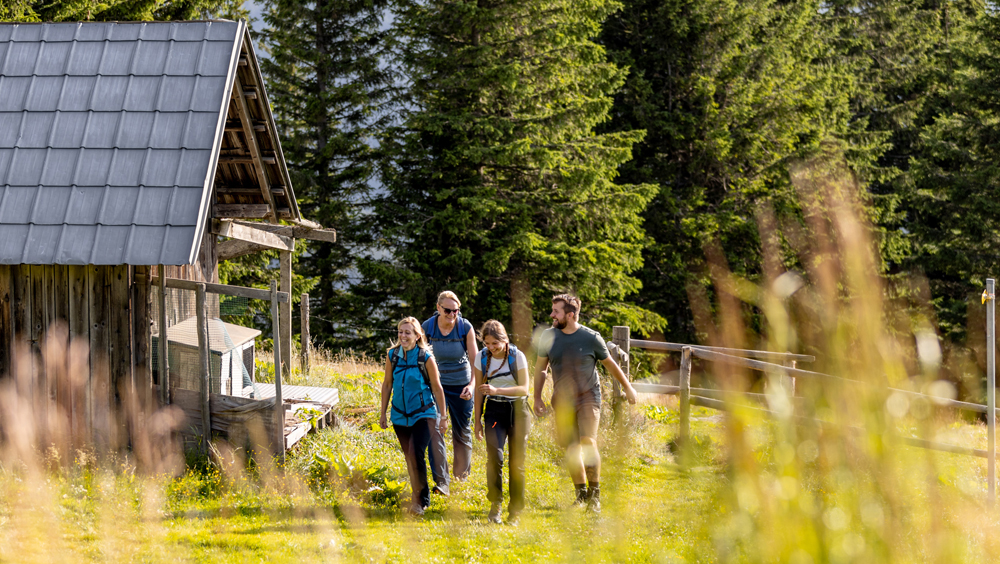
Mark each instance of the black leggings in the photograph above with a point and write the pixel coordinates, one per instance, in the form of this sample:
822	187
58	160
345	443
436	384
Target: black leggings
506	420
414	441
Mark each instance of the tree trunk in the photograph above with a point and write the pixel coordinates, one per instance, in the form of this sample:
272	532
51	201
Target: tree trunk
520	310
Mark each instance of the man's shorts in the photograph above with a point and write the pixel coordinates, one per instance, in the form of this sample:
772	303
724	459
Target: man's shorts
575	421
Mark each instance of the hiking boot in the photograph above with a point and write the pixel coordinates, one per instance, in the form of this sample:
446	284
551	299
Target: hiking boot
414	509
513	518
582	497
494	516
441	490
594	501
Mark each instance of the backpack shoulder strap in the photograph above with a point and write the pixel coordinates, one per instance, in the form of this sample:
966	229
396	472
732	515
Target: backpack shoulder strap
393	360
422	365
433	321
484	361
512	360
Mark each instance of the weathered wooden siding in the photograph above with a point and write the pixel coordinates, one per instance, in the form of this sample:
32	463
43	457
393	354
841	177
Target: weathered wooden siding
104	306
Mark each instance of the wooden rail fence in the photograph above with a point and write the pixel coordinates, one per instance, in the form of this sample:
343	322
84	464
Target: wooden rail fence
758	360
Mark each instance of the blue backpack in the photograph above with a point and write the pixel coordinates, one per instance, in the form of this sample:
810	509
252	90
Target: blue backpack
434	333
484	362
425	393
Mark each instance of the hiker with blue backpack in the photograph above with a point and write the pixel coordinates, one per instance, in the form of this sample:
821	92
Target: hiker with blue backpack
454	344
501	373
414	386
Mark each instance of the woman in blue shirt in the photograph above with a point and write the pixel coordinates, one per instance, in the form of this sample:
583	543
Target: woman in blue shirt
414	386
454	343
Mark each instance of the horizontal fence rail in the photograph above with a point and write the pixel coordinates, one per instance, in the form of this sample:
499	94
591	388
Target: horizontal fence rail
224	289
756	360
677	347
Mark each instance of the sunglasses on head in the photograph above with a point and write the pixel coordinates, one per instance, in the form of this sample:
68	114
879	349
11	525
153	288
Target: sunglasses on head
448	311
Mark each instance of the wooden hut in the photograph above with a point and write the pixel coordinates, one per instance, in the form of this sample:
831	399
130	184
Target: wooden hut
128	151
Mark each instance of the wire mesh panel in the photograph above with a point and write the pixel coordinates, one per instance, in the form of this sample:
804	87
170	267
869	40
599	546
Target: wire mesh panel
231	342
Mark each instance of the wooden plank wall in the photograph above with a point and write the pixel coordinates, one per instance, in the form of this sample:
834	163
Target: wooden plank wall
106	307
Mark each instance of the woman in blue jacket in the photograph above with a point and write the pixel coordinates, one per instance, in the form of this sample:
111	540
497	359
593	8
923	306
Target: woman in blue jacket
414	386
454	342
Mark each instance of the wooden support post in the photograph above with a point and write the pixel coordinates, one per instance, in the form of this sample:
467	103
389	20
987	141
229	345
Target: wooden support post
285	312
683	437
6	323
162	363
304	332
279	405
204	356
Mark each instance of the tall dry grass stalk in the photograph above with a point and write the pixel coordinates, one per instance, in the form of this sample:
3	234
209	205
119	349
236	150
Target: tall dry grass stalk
829	480
824	478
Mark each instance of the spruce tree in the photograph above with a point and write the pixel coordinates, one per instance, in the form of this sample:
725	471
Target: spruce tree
729	92
119	10
950	191
329	86
500	188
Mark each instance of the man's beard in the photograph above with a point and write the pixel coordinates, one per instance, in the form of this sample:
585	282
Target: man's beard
558	325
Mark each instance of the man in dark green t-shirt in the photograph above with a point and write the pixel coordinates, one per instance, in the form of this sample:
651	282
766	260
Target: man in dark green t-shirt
573	352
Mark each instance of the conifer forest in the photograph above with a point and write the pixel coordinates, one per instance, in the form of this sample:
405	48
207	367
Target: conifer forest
626	151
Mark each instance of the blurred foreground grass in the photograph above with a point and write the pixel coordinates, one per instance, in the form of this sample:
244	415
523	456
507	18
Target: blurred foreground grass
824	478
322	508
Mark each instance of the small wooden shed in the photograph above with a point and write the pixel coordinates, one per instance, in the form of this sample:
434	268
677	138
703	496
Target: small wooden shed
131	152
232	356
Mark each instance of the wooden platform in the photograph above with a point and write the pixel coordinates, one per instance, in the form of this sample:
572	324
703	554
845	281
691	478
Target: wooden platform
233	416
298	401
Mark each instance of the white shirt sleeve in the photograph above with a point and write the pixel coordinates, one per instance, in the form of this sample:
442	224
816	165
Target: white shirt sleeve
521	363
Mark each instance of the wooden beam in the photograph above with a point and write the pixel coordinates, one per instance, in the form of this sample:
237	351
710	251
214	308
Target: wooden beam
224	289
767	355
279	405
248	211
236	125
250	93
6	325
285	309
298	231
248	190
241	211
205	364
251	234
265	188
234	248
244	159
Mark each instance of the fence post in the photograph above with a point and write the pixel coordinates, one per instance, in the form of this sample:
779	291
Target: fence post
304	332
279	404
991	420
790	380
206	368
163	364
683	438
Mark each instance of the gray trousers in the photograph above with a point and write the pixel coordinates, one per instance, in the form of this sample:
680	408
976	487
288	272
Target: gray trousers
460	413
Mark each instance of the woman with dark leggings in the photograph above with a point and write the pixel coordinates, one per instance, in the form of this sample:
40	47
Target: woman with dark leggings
501	373
412	383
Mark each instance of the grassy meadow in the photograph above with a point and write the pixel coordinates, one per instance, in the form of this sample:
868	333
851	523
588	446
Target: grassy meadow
338	499
824	477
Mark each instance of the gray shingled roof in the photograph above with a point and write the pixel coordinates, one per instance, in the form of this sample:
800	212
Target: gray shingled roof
109	139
